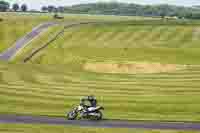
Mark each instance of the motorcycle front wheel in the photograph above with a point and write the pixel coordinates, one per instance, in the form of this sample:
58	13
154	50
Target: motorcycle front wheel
72	115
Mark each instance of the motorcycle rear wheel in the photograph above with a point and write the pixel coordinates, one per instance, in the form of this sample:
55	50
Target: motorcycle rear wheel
97	118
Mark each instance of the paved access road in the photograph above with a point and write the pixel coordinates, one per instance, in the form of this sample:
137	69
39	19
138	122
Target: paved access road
17	119
22	42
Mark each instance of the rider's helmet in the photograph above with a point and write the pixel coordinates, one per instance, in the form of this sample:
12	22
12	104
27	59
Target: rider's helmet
92	100
91	97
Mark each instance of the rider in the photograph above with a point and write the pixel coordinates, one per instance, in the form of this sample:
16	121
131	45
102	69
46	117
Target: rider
91	99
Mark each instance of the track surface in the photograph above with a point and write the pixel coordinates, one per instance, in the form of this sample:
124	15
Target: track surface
22	42
101	124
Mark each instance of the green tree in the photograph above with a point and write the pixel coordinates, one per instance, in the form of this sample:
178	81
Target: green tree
51	8
115	8
4	6
24	8
44	9
15	7
61	9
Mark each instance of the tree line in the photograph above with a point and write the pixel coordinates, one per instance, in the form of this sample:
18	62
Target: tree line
6	6
115	8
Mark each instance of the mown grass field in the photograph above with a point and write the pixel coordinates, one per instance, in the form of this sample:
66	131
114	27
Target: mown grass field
179	43
130	42
54	80
16	128
48	90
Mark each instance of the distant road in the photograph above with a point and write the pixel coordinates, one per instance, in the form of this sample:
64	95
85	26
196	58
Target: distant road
16	119
22	42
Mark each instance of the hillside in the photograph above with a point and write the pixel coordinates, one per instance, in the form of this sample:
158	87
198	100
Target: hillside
150	72
132	41
142	69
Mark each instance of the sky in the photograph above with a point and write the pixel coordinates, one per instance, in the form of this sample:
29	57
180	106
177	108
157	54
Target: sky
36	4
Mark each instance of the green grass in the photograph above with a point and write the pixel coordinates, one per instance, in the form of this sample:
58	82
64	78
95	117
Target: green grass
178	44
53	89
16	128
54	80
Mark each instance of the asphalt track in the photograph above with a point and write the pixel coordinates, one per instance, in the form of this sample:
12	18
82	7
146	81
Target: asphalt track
8	54
17	119
22	42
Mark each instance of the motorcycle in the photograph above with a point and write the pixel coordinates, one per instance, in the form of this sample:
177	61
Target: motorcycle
89	113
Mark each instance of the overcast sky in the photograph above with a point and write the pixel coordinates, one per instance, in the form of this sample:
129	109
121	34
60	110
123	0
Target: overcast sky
36	4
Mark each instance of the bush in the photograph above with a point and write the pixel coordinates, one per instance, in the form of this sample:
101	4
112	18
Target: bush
1	19
56	16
